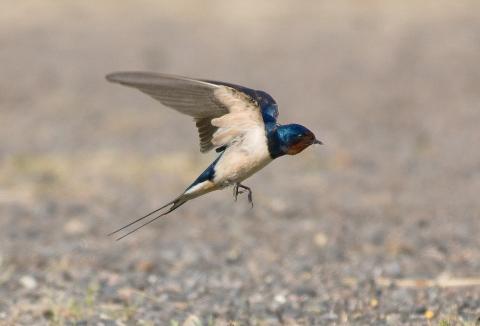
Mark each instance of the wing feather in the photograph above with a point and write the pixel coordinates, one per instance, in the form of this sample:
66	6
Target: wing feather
188	96
223	112
205	132
244	115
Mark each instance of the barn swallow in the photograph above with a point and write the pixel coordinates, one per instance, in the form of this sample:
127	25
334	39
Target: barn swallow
238	122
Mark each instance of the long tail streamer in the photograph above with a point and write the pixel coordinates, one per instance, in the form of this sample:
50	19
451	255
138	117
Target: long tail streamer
176	204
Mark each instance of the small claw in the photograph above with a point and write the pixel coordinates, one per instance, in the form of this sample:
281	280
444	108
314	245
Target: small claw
250	197
250	193
235	192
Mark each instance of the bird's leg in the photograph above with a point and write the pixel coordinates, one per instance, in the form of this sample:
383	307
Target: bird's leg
250	193
236	191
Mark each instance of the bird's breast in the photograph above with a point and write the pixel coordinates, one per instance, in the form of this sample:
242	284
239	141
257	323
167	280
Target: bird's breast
242	159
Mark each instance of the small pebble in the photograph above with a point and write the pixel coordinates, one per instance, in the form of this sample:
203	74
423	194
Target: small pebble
429	314
330	316
320	239
75	227
152	279
393	319
126	293
280	298
145	266
28	282
192	320
421	310
233	256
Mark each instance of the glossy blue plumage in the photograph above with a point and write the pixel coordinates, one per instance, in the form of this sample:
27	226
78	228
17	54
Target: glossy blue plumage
288	134
208	174
283	138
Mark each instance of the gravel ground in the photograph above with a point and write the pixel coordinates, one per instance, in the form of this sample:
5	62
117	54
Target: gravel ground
379	226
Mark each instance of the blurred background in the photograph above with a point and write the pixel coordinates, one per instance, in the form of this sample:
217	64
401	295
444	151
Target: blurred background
378	226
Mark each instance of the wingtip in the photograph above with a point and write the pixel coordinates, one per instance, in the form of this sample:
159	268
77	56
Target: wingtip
125	77
139	79
134	78
113	77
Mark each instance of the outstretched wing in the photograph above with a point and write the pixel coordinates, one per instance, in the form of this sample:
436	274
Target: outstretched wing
268	106
222	111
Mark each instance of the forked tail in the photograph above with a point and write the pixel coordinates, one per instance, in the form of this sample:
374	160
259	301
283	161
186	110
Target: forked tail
176	203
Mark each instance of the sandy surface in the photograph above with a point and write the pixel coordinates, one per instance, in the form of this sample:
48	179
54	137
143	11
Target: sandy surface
379	226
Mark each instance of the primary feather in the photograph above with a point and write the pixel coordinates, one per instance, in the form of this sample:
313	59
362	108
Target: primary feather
222	113
188	96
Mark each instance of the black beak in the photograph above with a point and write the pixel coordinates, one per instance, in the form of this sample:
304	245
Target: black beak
318	142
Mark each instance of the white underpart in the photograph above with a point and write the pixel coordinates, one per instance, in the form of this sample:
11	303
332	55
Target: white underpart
243	131
242	159
200	189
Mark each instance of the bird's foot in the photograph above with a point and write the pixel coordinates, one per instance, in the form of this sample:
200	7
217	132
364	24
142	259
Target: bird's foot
236	192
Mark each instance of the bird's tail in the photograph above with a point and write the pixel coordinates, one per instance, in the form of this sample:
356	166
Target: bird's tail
176	203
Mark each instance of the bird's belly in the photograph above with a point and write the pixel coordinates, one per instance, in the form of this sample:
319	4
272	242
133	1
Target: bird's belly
236	166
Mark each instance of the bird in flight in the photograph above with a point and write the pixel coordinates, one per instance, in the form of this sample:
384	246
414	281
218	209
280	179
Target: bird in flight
238	122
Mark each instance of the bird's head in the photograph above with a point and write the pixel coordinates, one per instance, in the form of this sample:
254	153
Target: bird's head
295	138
